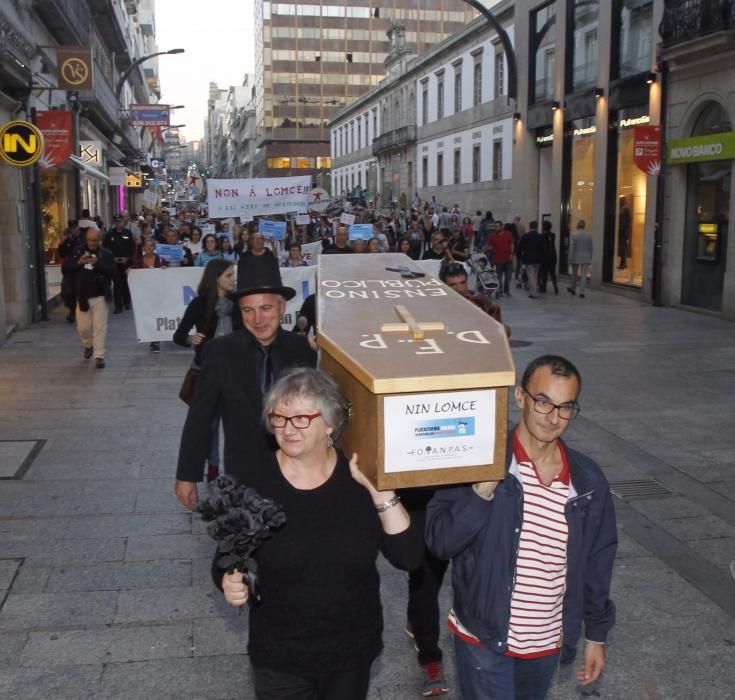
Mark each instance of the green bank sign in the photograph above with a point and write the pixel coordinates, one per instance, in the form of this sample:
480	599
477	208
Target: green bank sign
701	148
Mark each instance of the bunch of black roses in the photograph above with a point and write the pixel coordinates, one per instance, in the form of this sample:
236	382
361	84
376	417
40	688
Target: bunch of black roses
240	520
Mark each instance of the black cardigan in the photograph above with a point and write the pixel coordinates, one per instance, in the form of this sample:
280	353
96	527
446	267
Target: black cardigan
195	316
318	577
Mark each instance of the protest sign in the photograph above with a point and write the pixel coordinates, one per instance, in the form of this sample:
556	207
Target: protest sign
347	219
170	253
265	195
361	232
272	229
310	252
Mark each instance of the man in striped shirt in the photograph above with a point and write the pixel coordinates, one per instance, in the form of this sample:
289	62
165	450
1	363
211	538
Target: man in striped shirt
532	555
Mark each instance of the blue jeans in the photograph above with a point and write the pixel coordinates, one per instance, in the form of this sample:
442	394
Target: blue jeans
505	272
484	675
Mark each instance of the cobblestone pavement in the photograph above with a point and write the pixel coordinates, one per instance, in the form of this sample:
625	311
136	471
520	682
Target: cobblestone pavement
104	582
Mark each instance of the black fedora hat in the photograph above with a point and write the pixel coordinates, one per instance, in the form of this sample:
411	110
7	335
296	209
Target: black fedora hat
260	274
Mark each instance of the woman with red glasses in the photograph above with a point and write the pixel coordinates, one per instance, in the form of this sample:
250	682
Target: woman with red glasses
319	624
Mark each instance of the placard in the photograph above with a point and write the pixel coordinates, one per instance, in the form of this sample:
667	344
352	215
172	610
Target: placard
263	195
272	229
361	232
303	220
441	430
170	253
347	219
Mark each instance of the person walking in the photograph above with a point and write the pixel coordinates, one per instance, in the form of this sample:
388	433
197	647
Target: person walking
580	257
532	555
121	243
237	370
547	271
92	268
531	255
149	260
70	243
501	256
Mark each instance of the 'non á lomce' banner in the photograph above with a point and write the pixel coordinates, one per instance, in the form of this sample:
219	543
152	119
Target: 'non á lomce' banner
258	196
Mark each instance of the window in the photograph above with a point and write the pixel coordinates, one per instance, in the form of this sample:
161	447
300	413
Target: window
278	163
457	89
477	81
440	97
375	123
439	169
497	160
425	102
476	163
543	26
499	74
457	166
584	46
409	170
425	171
635	23
359	132
323	162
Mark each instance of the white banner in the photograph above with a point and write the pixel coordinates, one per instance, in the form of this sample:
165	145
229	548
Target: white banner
264	195
310	252
161	296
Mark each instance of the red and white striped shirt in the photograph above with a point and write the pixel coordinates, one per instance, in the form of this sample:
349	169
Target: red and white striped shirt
535	626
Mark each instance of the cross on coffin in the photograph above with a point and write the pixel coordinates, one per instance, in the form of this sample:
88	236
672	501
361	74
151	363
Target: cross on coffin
410	324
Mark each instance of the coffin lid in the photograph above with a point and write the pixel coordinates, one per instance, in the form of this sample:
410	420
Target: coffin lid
357	297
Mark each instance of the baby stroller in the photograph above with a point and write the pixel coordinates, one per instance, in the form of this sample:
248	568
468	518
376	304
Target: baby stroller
486	279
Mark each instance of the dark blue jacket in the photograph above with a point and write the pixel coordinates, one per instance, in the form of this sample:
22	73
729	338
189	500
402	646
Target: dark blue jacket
481	537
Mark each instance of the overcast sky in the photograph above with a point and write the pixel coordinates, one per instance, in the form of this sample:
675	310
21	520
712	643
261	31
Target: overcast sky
219	37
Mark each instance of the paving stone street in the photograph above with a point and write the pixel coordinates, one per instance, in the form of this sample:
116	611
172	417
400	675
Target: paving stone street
105	589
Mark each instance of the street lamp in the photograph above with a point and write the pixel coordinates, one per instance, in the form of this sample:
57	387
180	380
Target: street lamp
135	64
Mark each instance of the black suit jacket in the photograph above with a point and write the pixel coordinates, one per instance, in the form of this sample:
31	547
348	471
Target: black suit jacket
230	382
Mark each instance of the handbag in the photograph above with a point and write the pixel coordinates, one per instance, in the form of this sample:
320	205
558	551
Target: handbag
189	385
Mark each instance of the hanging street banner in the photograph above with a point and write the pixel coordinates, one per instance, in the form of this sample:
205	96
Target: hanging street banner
149	115
21	143
57	137
258	196
161	296
647	148
74	68
699	149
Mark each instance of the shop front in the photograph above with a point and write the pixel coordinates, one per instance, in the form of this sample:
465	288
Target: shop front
708	158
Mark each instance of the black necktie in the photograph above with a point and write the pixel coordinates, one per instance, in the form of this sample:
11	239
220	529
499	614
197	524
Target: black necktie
266	371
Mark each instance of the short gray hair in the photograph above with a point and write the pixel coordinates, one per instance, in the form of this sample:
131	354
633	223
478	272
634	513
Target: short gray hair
312	384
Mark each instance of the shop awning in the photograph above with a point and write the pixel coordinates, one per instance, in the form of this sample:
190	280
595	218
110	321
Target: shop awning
89	170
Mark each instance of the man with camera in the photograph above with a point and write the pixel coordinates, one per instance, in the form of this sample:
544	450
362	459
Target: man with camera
91	268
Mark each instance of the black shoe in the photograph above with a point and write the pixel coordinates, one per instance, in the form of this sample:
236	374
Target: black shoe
570	290
156	347
127	307
556	290
88	353
532	296
71	317
581	296
99	363
117	311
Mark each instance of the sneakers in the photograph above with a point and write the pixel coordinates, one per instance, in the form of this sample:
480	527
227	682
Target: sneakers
434	682
88	353
155	347
570	290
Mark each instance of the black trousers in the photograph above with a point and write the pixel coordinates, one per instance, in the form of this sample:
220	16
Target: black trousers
423	598
546	273
347	684
121	293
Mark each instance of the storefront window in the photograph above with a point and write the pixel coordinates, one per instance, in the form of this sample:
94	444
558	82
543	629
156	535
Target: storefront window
580	181
584	46
626	264
543	23
635	37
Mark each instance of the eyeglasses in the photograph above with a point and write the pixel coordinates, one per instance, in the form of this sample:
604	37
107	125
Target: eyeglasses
567	411
300	422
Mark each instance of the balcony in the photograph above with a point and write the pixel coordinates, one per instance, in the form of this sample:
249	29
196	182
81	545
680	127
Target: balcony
67	20
686	20
394	140
111	24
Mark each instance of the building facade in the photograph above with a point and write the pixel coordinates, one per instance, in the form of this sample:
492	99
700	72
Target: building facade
698	250
440	124
314	59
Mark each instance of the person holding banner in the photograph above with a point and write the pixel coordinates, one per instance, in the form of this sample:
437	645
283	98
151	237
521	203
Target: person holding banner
149	260
210	251
236	372
211	313
294	258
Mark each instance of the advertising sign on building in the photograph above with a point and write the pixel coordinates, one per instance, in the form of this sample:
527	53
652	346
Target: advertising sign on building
149	115
134	180
647	148
117	176
57	139
90	152
698	149
21	143
258	196
74	68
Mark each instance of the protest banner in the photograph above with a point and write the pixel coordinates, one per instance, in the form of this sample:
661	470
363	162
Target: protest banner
347	219
258	196
310	252
160	297
361	232
303	220
272	229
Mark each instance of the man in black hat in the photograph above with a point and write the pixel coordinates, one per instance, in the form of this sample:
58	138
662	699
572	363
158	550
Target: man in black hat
237	370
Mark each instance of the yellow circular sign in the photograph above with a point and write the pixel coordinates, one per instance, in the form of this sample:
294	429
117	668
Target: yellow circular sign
21	143
74	71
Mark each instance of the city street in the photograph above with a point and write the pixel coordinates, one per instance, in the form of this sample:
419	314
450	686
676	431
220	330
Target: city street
105	589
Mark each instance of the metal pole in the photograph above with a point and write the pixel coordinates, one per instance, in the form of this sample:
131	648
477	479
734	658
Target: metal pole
40	307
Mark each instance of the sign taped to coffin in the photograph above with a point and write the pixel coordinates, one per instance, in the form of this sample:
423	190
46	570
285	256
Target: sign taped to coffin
425	371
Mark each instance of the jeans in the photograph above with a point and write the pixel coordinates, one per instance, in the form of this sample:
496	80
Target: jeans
505	272
423	598
580	276
350	683
484	675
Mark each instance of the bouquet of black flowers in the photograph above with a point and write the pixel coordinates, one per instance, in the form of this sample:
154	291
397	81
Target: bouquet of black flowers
240	520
